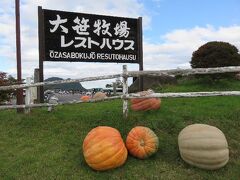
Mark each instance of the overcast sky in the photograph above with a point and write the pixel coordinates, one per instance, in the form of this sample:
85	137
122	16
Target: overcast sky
172	30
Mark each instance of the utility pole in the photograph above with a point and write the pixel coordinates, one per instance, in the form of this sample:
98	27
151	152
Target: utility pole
18	56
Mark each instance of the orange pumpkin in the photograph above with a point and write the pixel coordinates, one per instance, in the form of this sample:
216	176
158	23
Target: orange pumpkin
103	148
145	104
142	142
85	98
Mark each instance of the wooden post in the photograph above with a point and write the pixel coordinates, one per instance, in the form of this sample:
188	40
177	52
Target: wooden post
36	80
28	95
50	108
41	50
114	89
18	56
140	46
125	91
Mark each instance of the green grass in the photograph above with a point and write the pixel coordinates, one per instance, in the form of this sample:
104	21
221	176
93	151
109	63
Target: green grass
202	84
45	145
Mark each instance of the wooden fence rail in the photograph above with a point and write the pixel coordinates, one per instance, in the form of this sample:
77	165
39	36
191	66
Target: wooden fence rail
20	86
126	96
26	106
186	94
185	72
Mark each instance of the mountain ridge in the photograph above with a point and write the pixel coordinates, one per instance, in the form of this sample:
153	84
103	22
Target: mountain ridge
65	86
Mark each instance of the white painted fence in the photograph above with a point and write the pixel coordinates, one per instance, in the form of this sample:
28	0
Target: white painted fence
126	96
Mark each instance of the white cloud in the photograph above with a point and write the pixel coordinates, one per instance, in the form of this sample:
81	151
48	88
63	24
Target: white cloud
178	45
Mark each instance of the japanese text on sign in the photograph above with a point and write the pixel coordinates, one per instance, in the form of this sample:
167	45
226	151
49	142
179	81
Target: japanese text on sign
86	37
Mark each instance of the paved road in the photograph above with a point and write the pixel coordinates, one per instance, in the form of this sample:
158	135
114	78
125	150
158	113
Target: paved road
68	97
62	97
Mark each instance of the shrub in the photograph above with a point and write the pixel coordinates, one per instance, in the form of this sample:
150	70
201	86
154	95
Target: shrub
215	54
4	81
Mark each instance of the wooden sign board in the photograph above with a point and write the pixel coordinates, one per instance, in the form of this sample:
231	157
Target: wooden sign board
79	37
70	36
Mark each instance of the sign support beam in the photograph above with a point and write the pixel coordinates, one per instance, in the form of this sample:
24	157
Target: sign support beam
140	46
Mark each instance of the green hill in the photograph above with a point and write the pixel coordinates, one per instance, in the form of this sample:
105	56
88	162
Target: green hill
67	86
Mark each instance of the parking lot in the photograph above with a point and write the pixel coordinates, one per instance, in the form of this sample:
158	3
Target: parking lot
68	97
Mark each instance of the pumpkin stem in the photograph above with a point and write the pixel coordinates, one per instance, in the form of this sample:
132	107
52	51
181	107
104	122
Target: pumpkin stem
142	142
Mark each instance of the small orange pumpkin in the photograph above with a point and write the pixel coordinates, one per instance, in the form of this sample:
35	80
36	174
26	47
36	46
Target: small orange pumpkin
85	98
142	142
103	148
145	104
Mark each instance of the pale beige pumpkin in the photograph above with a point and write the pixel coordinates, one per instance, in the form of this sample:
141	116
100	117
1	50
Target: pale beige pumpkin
99	96
103	148
203	146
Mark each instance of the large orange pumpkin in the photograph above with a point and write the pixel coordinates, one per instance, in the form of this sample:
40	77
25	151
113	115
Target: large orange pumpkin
142	142
103	148
145	104
85	98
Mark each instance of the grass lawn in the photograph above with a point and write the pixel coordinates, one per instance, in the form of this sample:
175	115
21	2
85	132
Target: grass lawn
45	145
